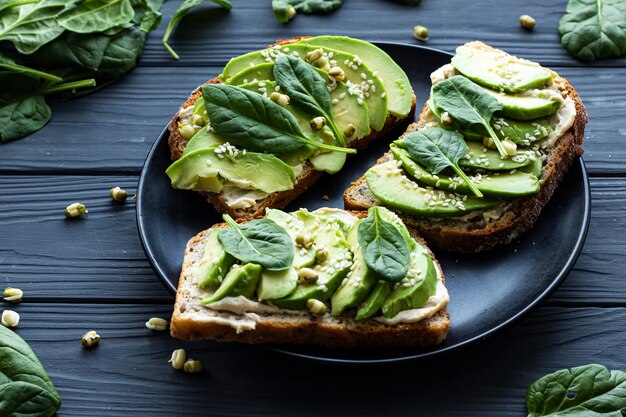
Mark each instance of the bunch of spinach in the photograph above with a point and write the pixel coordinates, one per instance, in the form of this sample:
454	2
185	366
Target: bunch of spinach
25	388
254	122
384	249
590	390
56	46
437	149
306	89
470	107
594	29
260	241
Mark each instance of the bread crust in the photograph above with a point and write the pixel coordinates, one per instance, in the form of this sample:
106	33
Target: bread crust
306	179
458	236
301	327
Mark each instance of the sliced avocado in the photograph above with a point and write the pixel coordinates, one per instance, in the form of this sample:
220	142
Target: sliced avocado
359	281
499	71
525	107
374	300
330	162
201	140
534	167
522	133
345	219
394	189
394	79
254	66
240	280
327	235
415	289
199	171
506	185
214	264
277	284
303	256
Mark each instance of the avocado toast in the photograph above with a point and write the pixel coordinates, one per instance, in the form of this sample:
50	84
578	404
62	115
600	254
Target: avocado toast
369	96
476	170
316	279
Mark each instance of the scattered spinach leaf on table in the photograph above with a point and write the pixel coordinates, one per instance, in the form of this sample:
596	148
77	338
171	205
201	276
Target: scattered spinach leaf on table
437	149
469	105
25	388
594	29
260	241
590	390
281	7
306	89
384	249
249	120
181	12
91	16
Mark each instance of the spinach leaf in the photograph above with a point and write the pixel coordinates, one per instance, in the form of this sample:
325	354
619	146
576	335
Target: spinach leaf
594	29
260	241
306	89
437	149
73	50
30	26
23	110
590	390
90	16
6	63
181	12
25	388
384	249
254	122
303	6
469	106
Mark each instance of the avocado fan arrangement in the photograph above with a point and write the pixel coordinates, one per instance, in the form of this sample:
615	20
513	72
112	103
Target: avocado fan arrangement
495	129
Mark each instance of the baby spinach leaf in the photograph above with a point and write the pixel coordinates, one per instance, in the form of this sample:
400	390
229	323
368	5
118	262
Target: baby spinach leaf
384	249
306	89
8	64
254	122
25	388
260	241
590	390
23	110
468	105
303	6
181	12
30	26
594	29
90	16
73	49
437	149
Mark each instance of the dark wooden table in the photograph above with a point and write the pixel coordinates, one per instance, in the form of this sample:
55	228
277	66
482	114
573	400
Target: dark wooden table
92	273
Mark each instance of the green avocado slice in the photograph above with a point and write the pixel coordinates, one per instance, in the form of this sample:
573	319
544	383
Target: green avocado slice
393	78
525	107
374	300
303	256
394	189
240	280
214	264
201	140
201	171
254	65
499	71
277	284
505	185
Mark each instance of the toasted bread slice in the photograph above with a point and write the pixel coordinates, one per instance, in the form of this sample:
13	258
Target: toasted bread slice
192	320
307	177
479	234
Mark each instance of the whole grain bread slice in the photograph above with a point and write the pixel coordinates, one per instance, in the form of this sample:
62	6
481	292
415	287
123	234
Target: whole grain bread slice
479	234
305	179
192	320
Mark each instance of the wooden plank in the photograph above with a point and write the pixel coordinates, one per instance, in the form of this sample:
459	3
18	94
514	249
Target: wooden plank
100	257
112	131
128	373
210	36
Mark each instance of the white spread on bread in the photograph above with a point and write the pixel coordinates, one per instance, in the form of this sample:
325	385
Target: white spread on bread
241	198
185	114
562	121
434	304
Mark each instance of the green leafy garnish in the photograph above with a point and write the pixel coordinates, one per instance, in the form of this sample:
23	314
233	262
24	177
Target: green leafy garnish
584	391
437	149
260	241
281	7
96	15
181	12
594	29
384	249
25	388
469	106
8	64
254	122
306	89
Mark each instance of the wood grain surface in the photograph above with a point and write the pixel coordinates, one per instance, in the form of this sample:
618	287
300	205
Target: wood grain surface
91	273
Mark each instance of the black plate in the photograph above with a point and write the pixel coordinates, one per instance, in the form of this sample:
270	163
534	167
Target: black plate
488	291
